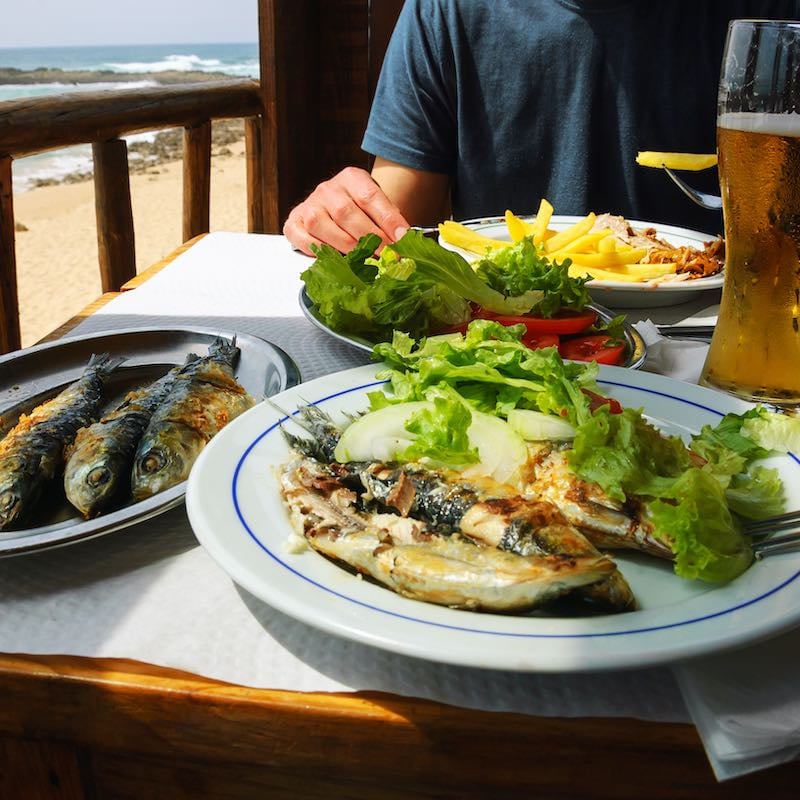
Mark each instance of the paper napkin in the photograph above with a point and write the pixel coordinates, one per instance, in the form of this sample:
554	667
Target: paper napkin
746	705
682	359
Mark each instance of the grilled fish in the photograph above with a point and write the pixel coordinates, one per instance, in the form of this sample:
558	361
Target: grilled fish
405	556
99	461
32	453
486	514
606	523
203	399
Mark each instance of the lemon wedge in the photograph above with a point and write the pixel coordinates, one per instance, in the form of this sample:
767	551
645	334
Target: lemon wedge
687	161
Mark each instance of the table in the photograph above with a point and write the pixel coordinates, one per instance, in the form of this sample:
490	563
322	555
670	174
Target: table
77	727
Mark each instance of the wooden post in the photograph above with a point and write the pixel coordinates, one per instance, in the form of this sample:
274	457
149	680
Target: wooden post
315	94
9	304
196	179
112	200
254	154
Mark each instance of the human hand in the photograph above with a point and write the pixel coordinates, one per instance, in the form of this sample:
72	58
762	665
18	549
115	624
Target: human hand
342	210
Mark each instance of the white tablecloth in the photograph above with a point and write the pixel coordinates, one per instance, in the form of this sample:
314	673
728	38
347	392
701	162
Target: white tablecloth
151	593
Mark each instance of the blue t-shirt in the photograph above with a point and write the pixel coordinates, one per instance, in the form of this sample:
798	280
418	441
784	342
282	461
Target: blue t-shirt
519	100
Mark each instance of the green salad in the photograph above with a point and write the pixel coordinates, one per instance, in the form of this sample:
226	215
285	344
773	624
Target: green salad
417	286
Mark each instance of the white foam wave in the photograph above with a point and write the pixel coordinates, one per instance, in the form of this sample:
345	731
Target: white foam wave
14	91
54	165
181	63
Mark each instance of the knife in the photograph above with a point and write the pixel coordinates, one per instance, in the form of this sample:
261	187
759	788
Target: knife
686	331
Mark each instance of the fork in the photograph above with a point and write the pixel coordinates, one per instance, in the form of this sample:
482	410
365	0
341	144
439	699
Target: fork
711	201
761	531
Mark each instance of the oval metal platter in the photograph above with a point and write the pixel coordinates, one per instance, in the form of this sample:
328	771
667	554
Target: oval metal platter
32	376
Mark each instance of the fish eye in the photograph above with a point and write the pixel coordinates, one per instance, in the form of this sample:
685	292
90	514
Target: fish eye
153	461
7	501
98	476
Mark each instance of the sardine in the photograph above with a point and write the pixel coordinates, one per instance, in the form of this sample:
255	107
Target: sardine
203	399
99	461
32	452
606	523
449	505
407	558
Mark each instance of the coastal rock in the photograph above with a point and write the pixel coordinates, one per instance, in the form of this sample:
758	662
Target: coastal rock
20	77
165	147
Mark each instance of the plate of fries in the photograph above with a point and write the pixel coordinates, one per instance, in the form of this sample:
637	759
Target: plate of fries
618	265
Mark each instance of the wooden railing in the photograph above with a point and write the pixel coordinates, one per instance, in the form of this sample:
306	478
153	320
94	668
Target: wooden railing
35	125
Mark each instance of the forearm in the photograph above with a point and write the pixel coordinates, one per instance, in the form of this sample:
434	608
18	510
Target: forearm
422	197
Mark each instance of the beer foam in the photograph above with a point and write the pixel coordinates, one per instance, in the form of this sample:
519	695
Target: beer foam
752	122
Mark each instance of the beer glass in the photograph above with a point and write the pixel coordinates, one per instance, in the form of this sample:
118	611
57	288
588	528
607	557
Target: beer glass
755	349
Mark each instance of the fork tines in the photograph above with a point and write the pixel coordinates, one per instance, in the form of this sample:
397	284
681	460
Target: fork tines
780	544
763	527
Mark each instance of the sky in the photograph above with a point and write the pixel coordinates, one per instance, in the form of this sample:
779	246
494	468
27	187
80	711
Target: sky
53	23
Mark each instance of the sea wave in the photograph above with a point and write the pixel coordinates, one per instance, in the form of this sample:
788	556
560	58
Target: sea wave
53	166
182	63
116	68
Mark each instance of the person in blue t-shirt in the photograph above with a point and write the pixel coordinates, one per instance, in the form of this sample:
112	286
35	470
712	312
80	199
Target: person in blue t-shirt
484	106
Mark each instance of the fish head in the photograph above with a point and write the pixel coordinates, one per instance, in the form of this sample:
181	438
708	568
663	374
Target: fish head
164	459
95	477
14	480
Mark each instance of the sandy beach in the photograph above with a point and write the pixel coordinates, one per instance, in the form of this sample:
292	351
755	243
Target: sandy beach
56	239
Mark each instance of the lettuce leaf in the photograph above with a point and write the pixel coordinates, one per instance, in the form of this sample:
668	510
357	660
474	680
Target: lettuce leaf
353	294
436	264
753	492
689	506
441	432
773	431
491	369
522	268
695	519
625	455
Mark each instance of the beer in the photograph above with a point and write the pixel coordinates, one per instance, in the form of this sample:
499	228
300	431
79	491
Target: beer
755	351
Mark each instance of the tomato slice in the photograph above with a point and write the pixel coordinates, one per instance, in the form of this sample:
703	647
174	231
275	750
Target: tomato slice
538	340
597	400
563	323
597	347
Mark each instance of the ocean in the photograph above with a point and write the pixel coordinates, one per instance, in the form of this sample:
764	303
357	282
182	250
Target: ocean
136	66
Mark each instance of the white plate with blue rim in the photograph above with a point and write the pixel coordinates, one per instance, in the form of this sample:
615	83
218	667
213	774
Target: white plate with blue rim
236	511
620	294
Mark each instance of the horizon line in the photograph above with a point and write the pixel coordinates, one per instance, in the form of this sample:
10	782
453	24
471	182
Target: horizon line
123	44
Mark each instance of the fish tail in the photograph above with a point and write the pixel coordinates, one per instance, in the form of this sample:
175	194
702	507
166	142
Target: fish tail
324	433
224	350
105	363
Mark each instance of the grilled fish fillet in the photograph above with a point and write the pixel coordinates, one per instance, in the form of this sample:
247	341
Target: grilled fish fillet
403	554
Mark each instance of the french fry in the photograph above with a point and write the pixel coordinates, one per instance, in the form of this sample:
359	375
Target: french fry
629	273
649	271
607	260
688	161
563	238
588	243
597	254
467	239
579	271
541	221
518	229
607	245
